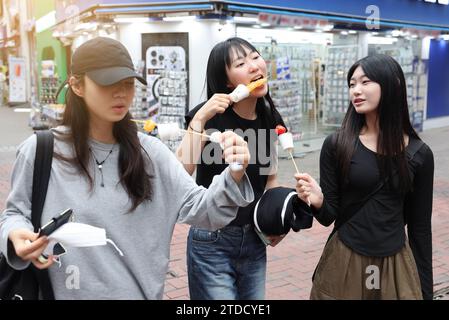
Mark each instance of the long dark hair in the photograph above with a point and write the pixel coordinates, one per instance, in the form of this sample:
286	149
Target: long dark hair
216	76
393	117
132	164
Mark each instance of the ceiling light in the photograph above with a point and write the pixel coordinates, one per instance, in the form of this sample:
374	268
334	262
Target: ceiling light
245	20
180	18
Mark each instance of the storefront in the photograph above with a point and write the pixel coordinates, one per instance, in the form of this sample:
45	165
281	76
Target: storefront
12	69
308	45
50	56
312	44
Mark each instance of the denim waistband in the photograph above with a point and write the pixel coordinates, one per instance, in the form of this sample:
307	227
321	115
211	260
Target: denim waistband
245	227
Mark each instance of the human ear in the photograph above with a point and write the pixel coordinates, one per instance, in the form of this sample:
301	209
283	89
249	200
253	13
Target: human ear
75	84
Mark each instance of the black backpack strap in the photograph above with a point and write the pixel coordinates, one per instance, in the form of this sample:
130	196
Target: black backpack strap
41	177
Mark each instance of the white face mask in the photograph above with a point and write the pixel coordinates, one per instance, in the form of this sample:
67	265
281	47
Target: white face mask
73	234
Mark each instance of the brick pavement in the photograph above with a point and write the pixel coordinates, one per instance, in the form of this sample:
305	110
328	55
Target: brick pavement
291	263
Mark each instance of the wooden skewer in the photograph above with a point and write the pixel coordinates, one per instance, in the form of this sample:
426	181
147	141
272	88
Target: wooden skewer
294	163
297	171
182	130
139	121
197	133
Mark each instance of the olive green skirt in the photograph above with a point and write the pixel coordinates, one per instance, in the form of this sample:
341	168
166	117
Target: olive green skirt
343	274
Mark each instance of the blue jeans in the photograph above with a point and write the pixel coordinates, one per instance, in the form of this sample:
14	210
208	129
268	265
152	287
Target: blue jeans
227	264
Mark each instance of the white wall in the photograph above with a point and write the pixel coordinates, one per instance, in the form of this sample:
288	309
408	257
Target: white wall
283	35
203	35
362	42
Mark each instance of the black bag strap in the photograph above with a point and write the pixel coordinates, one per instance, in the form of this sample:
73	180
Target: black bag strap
350	212
412	148
41	177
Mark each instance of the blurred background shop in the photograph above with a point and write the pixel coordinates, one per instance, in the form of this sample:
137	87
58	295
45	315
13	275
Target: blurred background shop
308	45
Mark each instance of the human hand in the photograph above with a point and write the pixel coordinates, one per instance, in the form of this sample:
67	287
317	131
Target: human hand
235	152
218	103
309	190
29	247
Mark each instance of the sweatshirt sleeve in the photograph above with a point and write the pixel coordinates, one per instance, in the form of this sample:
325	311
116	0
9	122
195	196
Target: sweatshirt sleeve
329	184
210	208
418	212
17	214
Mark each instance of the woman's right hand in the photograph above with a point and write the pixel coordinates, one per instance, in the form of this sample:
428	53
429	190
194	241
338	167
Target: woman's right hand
218	103
309	190
29	246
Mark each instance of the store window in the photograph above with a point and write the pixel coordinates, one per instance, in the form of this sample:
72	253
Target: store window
307	72
307	76
406	50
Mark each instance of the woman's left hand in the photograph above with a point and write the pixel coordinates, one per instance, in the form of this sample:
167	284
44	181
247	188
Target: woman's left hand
274	240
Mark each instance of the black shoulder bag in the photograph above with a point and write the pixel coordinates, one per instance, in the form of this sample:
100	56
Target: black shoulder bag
29	283
350	212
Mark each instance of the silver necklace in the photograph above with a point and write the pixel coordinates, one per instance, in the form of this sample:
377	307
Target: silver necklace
100	163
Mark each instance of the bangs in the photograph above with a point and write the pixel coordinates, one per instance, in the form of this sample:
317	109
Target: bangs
237	48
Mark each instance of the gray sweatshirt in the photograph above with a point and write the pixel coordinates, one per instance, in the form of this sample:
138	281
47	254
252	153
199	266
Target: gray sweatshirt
143	235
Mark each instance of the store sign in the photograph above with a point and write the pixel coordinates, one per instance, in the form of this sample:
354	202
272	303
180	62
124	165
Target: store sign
403	11
291	21
17	79
445	2
66	9
421	33
46	22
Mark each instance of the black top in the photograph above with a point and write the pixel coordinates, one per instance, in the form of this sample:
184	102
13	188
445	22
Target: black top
377	229
258	166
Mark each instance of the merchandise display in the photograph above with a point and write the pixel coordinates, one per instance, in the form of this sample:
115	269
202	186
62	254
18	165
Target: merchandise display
406	53
165	97
171	88
167	91
294	84
139	108
49	82
172	93
49	88
47	113
336	92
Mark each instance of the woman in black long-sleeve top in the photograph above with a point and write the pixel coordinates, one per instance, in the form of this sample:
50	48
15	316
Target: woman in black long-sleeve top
376	175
